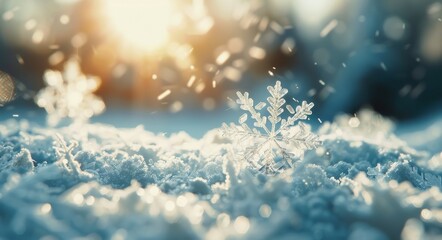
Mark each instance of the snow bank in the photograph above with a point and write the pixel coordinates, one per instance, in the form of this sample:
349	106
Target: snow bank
363	182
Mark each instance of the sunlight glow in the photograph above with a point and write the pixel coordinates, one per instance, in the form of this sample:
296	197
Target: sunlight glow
314	12
142	24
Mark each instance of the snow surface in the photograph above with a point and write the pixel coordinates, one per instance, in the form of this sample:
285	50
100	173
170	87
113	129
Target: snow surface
363	182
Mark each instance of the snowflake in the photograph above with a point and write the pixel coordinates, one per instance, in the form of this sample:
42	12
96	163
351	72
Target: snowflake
64	152
274	144
69	95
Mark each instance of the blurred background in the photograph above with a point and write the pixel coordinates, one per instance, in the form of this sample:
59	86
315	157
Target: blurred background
169	61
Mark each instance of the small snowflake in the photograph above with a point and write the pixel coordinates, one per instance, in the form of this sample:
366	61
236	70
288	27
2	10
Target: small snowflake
64	152
274	144
69	94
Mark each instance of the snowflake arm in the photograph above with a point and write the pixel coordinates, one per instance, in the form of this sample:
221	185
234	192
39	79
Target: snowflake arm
276	101
64	152
302	112
246	103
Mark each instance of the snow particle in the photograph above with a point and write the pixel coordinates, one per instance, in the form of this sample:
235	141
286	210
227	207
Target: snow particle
263	24
241	225
383	66
38	36
79	40
257	53
276	27
394	28
191	81
235	45
164	95
200	87
223	220
222	57
265	211
405	90
45	208
288	46
90	200
20	59
328	28
232	74
209	104
64	19
78	199
426	214
417	90
8	15
354	122
181	201
56	58
176	106
30	24
154	191
169	206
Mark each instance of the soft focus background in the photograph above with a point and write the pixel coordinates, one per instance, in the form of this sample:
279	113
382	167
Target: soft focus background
343	55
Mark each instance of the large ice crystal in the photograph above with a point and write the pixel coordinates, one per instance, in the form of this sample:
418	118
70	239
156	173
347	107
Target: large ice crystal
69	95
274	144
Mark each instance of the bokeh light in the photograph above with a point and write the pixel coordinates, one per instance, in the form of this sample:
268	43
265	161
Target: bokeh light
6	88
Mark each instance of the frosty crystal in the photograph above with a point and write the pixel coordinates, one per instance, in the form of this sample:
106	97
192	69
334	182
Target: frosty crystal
274	143
69	94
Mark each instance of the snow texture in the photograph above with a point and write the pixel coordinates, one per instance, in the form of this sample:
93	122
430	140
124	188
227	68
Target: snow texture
282	138
101	182
69	95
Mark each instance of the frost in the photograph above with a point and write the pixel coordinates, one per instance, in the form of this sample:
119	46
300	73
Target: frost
272	145
23	161
69	95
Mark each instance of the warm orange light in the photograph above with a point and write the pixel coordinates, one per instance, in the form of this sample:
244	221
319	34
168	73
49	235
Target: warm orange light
142	24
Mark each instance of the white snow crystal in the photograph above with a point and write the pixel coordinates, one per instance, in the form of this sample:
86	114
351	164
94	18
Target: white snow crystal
272	145
69	94
64	152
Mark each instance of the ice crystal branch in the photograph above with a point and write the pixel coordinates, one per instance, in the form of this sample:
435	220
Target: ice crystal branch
64	152
273	143
69	95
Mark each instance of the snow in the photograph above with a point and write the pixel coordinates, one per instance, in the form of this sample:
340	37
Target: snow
363	182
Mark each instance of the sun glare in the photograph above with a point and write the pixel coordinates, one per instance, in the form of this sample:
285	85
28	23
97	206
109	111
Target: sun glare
313	12
142	24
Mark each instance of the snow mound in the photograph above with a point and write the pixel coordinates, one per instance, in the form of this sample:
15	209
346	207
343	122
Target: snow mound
363	182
